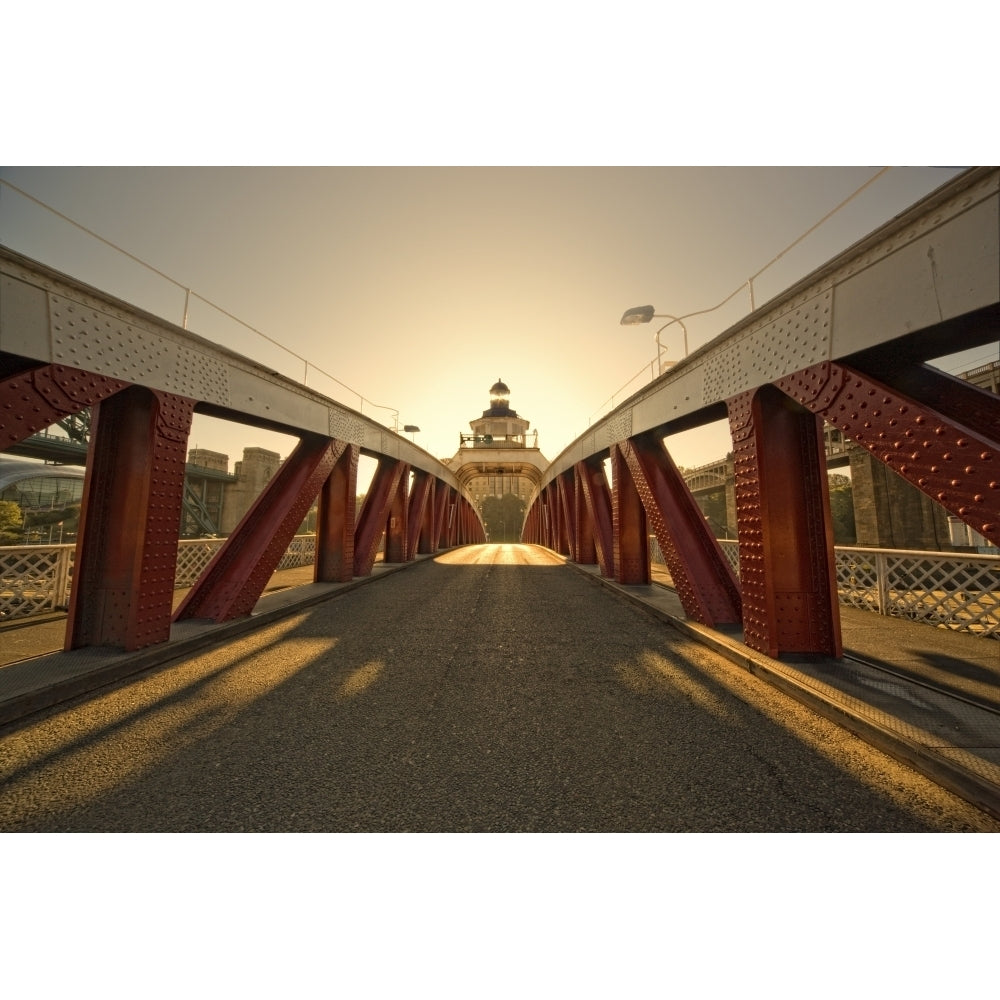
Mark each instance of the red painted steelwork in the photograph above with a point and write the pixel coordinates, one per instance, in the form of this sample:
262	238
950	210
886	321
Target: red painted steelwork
32	400
336	519
426	535
419	492
597	496
631	535
234	580
705	581
787	570
583	541
443	498
126	554
395	527
568	525
949	447
375	513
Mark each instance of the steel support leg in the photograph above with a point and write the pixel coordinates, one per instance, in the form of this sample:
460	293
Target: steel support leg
787	568
705	581
126	554
336	520
375	513
426	537
567	533
583	540
597	496
234	580
416	511
631	535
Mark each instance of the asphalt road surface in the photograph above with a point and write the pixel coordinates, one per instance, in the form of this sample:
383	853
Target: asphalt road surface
489	689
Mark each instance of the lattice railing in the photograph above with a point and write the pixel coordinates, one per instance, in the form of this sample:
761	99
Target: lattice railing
950	590
35	579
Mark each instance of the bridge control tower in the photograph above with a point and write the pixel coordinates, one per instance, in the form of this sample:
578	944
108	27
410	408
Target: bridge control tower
499	457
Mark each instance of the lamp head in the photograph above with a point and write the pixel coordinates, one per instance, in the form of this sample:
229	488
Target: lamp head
640	314
411	428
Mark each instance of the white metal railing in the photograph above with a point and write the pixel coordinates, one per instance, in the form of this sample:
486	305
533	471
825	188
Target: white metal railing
35	579
950	590
947	589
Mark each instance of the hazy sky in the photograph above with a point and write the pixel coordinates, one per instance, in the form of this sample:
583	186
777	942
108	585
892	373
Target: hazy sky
419	287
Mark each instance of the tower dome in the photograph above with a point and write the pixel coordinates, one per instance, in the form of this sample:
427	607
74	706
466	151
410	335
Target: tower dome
499	400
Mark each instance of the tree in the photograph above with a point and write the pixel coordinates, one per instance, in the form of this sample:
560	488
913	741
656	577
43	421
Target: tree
11	521
842	509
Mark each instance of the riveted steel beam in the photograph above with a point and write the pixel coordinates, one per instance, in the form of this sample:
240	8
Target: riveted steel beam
426	536
375	513
336	518
631	535
955	465
236	577
567	523
419	494
597	497
705	582
396	523
32	400
126	555
585	546
787	570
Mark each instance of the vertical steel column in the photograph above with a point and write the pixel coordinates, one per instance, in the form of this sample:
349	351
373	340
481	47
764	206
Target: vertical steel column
787	569
567	534
234	580
443	501
584	546
375	513
594	486
705	582
631	536
419	492
335	523
126	554
395	528
427	537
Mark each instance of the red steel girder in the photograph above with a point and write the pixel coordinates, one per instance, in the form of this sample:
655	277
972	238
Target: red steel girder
236	577
375	513
32	400
631	535
336	518
396	523
597	496
443	500
427	536
705	581
419	494
568	525
126	553
787	569
583	534
949	448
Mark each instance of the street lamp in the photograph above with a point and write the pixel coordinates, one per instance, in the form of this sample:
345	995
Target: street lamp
412	430
643	314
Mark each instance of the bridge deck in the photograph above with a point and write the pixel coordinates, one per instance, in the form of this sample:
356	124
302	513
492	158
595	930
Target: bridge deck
470	693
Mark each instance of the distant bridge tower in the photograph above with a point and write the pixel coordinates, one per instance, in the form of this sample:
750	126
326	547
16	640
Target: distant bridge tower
500	456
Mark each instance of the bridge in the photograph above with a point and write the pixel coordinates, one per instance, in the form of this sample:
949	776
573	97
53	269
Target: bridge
848	347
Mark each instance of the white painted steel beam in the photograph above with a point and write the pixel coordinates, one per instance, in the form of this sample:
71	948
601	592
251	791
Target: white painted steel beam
938	261
51	318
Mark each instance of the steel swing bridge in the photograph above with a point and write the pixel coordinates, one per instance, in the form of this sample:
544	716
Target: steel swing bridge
848	346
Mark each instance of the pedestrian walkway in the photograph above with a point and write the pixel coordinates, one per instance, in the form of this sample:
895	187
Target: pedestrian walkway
927	696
